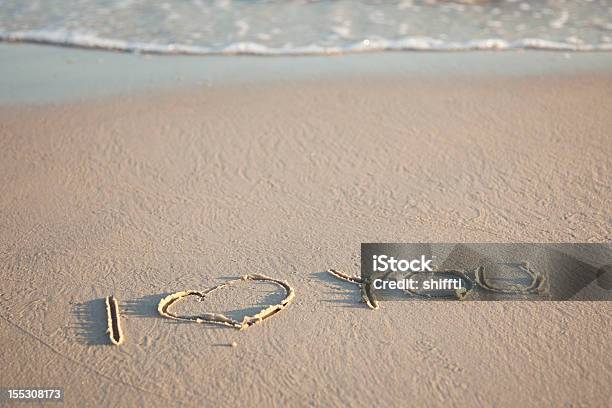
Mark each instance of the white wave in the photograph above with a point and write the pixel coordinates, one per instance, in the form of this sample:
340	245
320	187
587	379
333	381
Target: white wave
75	39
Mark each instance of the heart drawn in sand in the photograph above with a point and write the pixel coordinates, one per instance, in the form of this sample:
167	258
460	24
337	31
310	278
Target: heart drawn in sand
217	318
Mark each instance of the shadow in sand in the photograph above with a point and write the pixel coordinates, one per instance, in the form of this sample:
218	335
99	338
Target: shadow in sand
224	345
145	306
91	322
270	296
350	291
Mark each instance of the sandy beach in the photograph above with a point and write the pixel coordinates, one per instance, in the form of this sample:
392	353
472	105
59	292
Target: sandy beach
148	182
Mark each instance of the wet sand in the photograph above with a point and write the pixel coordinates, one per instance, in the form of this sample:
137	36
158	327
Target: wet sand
143	193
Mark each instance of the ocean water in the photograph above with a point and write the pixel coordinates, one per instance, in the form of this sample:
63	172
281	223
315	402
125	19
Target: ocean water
298	27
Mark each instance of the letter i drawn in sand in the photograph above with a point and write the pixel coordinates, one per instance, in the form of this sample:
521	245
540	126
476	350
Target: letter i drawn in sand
114	323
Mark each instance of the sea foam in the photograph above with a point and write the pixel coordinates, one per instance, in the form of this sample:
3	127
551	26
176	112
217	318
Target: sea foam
309	28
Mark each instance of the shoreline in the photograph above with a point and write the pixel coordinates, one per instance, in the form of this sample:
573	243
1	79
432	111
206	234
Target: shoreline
407	44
